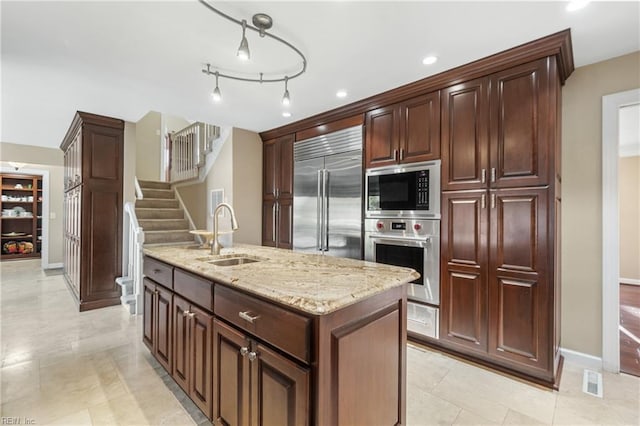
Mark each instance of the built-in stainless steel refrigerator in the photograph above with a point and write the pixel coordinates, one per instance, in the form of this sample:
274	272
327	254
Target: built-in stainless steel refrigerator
327	194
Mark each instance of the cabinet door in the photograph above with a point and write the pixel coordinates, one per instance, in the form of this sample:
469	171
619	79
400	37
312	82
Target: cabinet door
181	346
164	332
269	217
465	135
519	293
230	376
285	166
420	130
149	314
382	136
279	390
270	168
285	223
463	316
200	383
522	125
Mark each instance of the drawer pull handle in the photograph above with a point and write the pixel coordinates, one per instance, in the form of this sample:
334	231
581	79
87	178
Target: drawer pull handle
156	271
246	315
244	350
252	356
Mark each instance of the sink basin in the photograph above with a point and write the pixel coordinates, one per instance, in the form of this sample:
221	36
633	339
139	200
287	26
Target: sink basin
230	260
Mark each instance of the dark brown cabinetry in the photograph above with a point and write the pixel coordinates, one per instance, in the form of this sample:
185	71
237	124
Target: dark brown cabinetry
267	387
403	133
93	170
21	219
158	322
192	334
499	238
277	217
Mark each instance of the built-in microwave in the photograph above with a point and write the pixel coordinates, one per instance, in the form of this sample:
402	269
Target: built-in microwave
408	191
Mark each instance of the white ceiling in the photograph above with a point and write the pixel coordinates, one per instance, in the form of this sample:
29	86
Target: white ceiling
125	58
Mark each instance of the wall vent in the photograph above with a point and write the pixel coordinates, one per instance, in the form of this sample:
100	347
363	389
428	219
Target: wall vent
592	383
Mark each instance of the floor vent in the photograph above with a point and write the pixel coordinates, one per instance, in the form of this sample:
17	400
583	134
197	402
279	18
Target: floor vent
592	383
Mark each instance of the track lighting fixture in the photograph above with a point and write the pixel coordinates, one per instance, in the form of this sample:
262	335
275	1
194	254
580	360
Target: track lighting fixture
243	50
217	96
261	23
286	100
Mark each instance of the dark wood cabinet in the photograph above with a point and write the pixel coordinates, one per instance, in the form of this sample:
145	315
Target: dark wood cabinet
266	388
277	203
158	321
464	268
465	135
406	132
500	239
94	149
21	219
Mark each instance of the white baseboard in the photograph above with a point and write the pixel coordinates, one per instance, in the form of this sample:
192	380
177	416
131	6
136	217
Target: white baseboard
55	265
582	359
629	281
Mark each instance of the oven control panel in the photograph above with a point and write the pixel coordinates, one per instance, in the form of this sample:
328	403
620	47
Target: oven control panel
402	227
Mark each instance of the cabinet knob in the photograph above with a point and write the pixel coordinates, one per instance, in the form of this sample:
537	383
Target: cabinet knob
252	356
192	314
244	350
185	313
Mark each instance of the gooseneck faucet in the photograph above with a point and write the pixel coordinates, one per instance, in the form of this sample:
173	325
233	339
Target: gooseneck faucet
215	246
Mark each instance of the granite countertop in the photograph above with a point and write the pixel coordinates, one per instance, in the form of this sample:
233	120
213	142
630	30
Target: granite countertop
313	283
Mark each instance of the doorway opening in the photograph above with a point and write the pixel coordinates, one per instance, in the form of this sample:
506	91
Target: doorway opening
613	119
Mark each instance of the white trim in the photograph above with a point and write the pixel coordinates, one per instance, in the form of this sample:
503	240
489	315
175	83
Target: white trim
610	226
139	194
629	281
582	359
192	225
55	265
46	194
630	150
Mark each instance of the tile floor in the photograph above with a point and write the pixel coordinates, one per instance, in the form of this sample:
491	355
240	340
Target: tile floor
62	367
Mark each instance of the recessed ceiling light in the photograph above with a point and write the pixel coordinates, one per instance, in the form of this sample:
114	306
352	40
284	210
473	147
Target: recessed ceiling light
341	93
286	114
430	60
577	5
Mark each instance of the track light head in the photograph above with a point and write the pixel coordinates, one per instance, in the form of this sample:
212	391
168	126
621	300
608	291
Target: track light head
243	50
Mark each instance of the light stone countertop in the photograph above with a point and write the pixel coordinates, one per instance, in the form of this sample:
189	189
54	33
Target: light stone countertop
313	283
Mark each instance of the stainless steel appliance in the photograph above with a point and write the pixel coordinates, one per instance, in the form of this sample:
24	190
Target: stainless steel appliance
411	190
327	194
402	228
413	243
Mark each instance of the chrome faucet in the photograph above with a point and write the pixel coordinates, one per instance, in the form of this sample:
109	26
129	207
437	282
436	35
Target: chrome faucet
215	245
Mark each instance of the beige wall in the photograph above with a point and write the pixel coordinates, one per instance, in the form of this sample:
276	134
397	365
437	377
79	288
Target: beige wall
629	202
51	160
148	146
237	170
247	185
582	196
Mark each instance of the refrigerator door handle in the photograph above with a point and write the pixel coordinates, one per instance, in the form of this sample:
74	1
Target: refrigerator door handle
325	196
319	210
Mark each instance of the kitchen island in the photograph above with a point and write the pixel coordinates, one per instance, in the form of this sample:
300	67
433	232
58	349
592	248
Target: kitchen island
258	335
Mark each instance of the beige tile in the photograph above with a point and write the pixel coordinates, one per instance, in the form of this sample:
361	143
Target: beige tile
19	380
422	373
468	418
79	418
594	410
426	409
517	418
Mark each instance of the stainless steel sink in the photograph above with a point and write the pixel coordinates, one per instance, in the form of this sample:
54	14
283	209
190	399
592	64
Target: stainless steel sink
230	260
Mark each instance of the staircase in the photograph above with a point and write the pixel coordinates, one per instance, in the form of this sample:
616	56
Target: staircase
160	215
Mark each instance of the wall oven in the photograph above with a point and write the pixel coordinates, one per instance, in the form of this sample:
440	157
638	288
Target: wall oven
413	243
407	191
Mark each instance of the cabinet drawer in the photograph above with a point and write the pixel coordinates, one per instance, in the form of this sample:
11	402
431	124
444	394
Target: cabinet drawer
193	288
283	329
158	271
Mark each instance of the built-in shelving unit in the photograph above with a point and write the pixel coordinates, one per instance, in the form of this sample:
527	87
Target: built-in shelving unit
20	216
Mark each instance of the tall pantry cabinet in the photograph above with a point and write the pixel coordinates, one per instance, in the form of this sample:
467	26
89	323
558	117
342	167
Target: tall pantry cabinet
500	201
93	178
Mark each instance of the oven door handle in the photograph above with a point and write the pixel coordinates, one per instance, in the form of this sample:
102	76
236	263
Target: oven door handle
394	239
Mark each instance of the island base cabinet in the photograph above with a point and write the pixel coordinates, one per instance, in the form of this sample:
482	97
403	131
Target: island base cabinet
192	352
157	336
254	385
